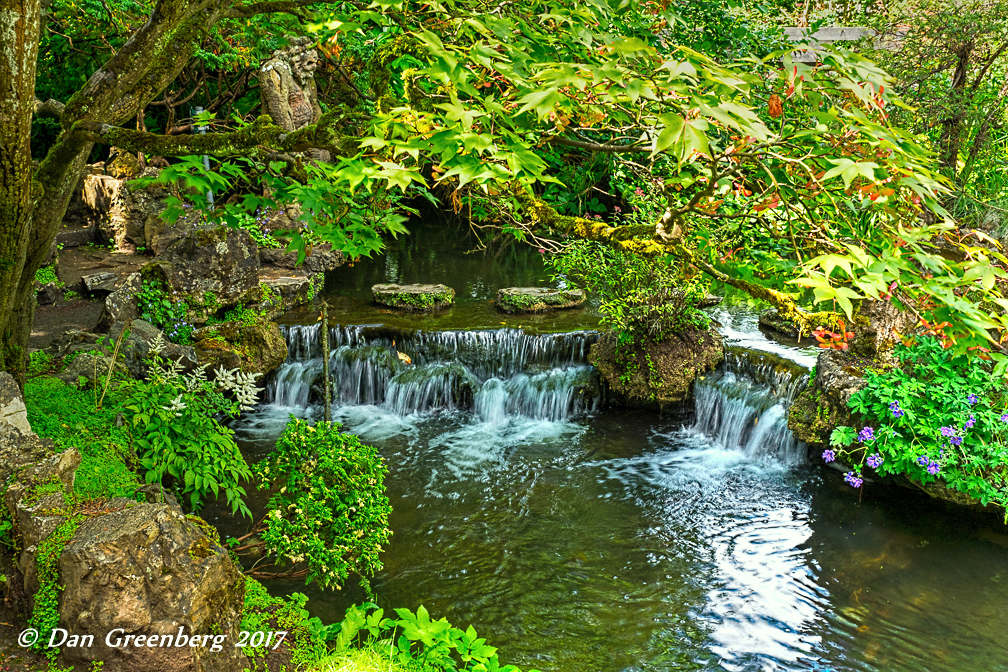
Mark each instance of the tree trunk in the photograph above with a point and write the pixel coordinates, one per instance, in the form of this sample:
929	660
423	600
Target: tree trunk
147	63
952	125
19	27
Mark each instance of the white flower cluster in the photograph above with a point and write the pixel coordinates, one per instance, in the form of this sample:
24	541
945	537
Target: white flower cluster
242	384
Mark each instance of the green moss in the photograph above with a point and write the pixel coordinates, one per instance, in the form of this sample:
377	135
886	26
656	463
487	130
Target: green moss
45	614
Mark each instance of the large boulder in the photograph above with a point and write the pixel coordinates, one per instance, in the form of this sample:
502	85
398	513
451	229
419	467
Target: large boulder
93	369
149	571
822	406
19	445
161	235
121	212
279	292
654	375
258	347
537	299
413	297
12	407
209	269
127	568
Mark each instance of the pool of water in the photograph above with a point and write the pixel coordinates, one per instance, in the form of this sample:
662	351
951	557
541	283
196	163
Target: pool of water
577	537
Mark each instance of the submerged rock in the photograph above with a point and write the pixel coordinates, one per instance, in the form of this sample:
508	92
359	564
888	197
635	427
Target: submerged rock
254	348
413	297
537	299
653	375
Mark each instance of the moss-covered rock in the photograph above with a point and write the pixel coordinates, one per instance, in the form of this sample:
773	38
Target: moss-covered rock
279	292
537	299
772	319
653	375
413	297
258	347
822	406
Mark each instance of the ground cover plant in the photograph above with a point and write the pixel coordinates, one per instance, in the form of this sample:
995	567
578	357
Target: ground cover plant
936	417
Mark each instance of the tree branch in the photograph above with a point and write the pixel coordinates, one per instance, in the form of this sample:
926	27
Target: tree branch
51	109
262	139
269	7
596	147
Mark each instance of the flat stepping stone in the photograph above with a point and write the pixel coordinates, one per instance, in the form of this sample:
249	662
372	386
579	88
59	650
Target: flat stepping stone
538	299
100	282
413	297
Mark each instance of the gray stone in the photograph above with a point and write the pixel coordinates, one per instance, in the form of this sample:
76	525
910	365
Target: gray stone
72	340
413	297
136	346
94	368
12	407
320	260
538	299
120	305
70	237
278	294
223	262
149	570
772	319
49	293
253	348
161	235
709	301
121	212
103	283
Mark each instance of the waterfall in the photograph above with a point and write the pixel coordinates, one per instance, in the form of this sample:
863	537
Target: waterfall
493	374
743	406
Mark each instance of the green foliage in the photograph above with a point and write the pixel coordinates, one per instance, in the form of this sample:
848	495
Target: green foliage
41	362
244	315
47	274
939	417
178	436
330	510
639	298
423	643
165	312
45	614
67	415
253	223
262	612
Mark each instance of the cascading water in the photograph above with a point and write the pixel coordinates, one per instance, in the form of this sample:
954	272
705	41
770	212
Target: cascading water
743	406
494	373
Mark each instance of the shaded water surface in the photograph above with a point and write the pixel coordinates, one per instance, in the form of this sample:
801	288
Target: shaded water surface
579	538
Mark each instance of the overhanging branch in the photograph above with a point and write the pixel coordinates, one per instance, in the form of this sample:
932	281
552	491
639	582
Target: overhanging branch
597	147
261	139
51	109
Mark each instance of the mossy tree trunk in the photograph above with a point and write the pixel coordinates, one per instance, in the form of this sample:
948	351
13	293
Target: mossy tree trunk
32	206
19	27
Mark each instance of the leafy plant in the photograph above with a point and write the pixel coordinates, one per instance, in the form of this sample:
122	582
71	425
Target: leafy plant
329	516
939	417
638	297
47	274
422	641
179	437
165	312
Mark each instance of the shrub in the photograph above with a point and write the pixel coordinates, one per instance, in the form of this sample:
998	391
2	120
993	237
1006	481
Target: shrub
329	512
178	434
639	298
937	417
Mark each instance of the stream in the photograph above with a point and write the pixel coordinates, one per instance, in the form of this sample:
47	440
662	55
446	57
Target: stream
578	537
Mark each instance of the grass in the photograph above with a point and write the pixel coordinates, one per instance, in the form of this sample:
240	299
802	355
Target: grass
67	415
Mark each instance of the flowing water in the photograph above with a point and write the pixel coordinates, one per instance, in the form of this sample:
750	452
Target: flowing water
582	538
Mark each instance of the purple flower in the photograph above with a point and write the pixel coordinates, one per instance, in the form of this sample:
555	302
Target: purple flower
969	423
1004	418
972	399
874	461
865	435
948	431
922	461
957	440
828	455
897	412
853	480
933	468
